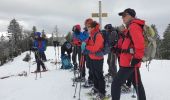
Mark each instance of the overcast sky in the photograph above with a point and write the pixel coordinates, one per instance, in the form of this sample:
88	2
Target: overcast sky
45	14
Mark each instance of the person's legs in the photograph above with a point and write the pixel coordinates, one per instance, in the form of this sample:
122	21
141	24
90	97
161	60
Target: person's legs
89	65
74	57
41	62
99	78
120	78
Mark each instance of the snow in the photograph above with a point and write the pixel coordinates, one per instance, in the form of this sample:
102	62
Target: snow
56	84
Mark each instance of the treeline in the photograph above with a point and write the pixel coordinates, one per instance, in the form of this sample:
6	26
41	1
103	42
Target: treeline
19	40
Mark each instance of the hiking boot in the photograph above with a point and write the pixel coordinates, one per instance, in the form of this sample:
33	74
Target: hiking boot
93	91
125	89
36	71
108	75
100	96
87	84
44	70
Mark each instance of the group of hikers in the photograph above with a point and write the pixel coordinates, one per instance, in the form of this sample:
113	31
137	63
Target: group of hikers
124	44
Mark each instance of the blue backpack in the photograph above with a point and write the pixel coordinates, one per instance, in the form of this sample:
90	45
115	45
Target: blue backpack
66	62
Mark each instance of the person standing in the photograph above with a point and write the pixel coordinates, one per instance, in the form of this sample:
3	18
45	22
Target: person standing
39	48
132	52
96	44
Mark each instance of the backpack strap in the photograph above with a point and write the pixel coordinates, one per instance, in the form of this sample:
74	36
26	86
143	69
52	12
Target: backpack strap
94	37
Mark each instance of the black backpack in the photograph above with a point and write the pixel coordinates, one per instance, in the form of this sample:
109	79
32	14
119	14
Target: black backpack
110	40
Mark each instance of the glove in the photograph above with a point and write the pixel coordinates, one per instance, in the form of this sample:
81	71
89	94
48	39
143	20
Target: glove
86	52
34	49
99	54
83	46
134	62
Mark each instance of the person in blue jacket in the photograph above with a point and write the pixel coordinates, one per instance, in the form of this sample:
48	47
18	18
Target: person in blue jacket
39	46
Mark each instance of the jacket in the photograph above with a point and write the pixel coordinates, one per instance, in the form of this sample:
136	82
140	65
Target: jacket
133	39
95	45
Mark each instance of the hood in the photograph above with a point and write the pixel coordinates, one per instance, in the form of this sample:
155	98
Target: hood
138	21
95	30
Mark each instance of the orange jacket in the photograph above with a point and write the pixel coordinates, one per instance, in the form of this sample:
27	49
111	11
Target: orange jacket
134	41
95	45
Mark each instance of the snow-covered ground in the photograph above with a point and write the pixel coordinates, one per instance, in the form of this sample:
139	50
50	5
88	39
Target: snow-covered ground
56	84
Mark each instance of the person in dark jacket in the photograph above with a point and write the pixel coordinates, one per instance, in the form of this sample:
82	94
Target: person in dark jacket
112	58
132	51
76	42
67	46
39	48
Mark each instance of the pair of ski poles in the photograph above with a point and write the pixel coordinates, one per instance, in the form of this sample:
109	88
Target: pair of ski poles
79	75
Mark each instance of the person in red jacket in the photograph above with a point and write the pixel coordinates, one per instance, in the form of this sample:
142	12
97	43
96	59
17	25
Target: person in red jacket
94	45
132	51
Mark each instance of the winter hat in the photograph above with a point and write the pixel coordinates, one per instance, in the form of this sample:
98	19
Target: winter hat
108	26
88	21
37	33
76	28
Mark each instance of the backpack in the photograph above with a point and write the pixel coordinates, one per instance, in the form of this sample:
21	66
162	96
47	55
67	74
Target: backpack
150	43
66	62
68	45
109	42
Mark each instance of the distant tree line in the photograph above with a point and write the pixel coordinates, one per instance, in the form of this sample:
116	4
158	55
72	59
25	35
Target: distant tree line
19	41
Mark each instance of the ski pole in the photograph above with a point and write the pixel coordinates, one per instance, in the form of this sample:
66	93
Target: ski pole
81	69
133	95
58	53
74	51
35	75
75	89
136	80
79	75
29	63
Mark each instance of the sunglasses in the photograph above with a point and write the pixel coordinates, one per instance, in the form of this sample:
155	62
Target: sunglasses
124	15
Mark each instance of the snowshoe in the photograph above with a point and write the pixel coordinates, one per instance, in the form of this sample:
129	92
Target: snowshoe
87	84
125	89
100	96
92	92
80	79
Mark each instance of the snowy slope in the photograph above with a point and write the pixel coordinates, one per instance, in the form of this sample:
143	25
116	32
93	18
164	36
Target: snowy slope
56	84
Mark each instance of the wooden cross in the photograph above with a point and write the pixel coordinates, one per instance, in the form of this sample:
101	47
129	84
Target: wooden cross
100	14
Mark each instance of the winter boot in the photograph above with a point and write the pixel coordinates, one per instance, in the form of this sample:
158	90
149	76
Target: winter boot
125	89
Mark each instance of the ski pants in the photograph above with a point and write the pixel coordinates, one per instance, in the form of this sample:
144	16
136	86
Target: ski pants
76	51
98	78
44	56
38	57
111	61
122	75
88	65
